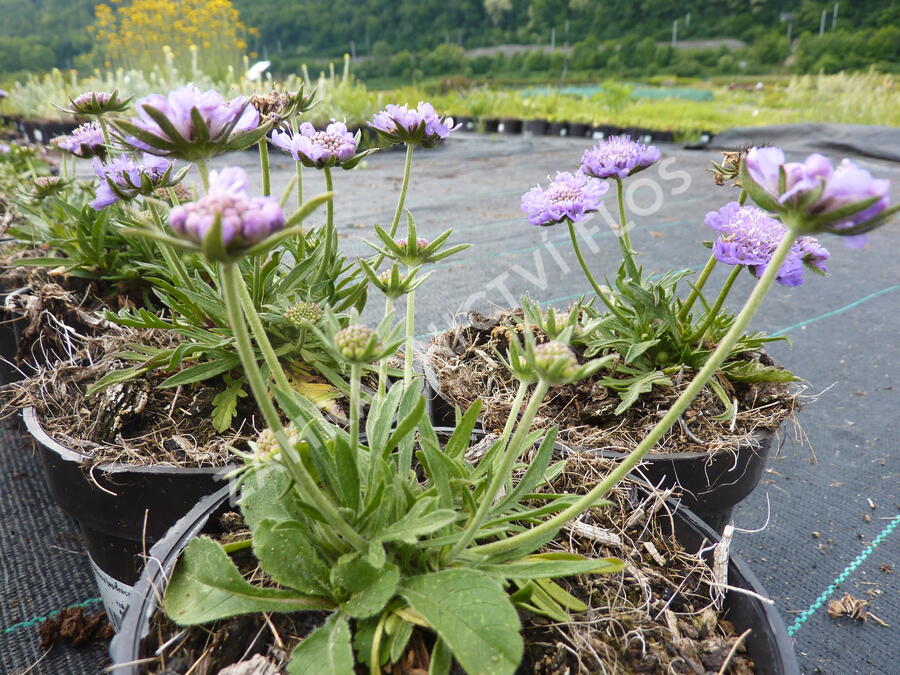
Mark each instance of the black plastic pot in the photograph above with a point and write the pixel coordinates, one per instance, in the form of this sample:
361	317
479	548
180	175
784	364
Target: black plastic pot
768	644
510	125
464	122
710	485
122	510
558	129
535	127
11	324
490	125
579	130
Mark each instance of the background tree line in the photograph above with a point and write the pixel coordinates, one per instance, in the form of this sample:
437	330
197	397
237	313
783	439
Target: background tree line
420	38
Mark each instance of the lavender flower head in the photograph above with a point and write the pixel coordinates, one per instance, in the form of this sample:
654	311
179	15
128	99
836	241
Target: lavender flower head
318	149
749	236
416	126
568	197
125	178
816	196
618	156
192	125
245	220
85	141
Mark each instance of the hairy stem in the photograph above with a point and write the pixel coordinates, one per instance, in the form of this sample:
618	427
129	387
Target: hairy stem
231	283
382	363
587	271
717	305
355	380
203	170
697	287
173	261
264	166
671	417
625	238
410	336
401	201
501	468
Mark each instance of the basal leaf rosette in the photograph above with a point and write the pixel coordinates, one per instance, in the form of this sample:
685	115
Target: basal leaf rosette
192	125
814	196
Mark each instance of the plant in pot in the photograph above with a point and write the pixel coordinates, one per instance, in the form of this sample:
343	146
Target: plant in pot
165	380
396	550
716	452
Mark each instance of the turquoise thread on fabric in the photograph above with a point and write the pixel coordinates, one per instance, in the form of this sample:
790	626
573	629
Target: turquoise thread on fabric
842	577
38	619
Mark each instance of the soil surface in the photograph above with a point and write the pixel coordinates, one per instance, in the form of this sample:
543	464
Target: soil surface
466	366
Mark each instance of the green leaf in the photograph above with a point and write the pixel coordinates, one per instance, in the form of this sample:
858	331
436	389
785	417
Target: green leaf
636	386
326	651
207	586
635	350
423	519
225	403
754	371
284	551
202	371
116	376
553	565
441	659
369	588
268	493
471	612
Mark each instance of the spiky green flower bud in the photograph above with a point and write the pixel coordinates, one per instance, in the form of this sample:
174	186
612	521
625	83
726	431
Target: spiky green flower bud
302	313
555	362
358	343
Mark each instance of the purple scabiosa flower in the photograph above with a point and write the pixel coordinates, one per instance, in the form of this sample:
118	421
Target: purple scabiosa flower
416	126
85	141
817	197
617	156
4	148
125	178
244	220
192	125
318	149
749	236
568	197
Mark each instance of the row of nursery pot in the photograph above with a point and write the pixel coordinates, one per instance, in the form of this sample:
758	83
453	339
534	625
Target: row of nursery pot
221	339
544	127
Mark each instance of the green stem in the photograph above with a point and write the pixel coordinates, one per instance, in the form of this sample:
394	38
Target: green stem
203	170
671	417
697	287
264	166
355	379
587	272
382	363
742	198
105	129
261	337
625	239
330	234
299	184
410	336
500	471
231	283
173	261
401	202
717	305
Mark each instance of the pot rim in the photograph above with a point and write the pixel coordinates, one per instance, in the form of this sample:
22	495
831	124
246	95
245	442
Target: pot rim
760	436
36	429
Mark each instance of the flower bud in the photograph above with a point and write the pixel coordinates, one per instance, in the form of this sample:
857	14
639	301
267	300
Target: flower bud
302	312
555	362
45	186
267	445
358	343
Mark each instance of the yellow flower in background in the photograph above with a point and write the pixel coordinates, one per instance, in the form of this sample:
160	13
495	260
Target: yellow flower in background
131	34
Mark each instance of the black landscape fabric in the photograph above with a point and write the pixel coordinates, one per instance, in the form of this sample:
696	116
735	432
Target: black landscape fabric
821	502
